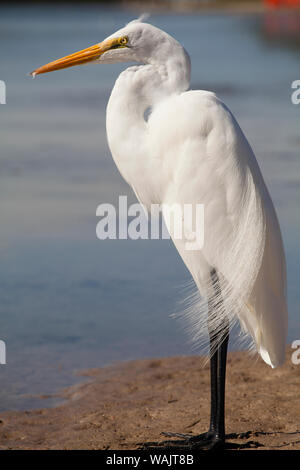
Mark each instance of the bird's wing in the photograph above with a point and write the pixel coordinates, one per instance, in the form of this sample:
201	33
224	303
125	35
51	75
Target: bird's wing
212	164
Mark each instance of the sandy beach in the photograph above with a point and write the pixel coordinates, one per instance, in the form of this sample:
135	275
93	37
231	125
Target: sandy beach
124	405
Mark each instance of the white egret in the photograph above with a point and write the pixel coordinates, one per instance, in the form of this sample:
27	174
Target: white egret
175	145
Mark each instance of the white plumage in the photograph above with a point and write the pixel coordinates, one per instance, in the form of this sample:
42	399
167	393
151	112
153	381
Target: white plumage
178	146
191	150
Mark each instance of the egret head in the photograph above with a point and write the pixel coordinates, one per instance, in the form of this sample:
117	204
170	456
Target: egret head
136	42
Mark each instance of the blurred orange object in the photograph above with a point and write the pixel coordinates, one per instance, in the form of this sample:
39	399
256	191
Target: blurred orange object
282	3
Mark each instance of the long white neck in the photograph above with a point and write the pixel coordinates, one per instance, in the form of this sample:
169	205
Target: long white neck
136	90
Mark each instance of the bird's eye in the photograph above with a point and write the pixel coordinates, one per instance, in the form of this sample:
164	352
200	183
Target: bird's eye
123	40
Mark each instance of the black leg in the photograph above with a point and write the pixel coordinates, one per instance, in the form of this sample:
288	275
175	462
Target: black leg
220	415
213	392
218	367
214	360
215	437
216	432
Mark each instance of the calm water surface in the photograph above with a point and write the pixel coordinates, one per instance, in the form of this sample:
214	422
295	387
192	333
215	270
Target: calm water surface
68	300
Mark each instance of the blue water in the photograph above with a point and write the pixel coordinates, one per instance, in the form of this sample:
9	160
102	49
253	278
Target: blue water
69	301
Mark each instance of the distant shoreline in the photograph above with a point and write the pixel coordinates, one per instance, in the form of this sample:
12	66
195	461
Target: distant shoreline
171	6
176	6
182	6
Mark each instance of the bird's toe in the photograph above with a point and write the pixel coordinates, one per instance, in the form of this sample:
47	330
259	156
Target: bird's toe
187	442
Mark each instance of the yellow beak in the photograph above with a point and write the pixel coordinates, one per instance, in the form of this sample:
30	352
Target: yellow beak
78	58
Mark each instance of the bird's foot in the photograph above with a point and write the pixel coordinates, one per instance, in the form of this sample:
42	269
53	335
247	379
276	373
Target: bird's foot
204	441
190	438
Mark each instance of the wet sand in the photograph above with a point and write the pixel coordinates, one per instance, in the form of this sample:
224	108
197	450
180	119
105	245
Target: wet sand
121	406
